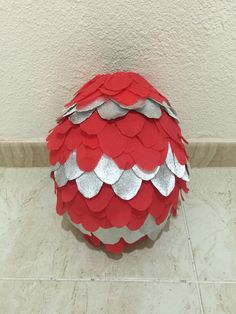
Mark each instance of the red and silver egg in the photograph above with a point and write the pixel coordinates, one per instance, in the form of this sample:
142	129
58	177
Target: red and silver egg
118	161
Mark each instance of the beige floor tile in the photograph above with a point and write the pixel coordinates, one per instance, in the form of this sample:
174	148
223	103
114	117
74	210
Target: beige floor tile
36	243
211	217
219	298
24	297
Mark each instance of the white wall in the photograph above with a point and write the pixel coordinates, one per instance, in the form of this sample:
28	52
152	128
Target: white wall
187	49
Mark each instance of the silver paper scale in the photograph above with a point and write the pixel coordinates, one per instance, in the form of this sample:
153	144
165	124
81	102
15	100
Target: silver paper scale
108	109
113	235
125	183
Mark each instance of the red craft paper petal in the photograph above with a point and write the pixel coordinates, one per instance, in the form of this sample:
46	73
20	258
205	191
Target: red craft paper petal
118	212
150	135
131	124
89	222
94	124
139	89
92	239
133	145
126	98
56	141
100	215
85	101
163	134
60	155
143	199
78	209
137	220
79	213
91	81
105	223
55	184
108	92
53	157
68	191
112	141
87	84
67	205
88	158
170	126
163	154
147	158
179	152
51	135
141	81
90	140
116	248
74	138
59	207
124	161
92	86
101	200
173	197
64	126
118	81
182	185
158	204
155	95
160	219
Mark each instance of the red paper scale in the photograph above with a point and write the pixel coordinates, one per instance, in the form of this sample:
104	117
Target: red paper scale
133	139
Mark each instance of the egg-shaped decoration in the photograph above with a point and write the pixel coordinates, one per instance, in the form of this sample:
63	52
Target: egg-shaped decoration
118	161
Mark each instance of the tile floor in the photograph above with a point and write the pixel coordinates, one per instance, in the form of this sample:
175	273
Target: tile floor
46	267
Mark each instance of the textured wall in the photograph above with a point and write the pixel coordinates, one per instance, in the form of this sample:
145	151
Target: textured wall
187	49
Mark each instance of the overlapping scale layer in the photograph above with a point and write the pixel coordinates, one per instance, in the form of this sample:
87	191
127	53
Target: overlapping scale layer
129	140
118	161
125	183
108	210
113	235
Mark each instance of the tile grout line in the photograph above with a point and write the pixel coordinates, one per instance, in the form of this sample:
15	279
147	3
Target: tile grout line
193	260
133	280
